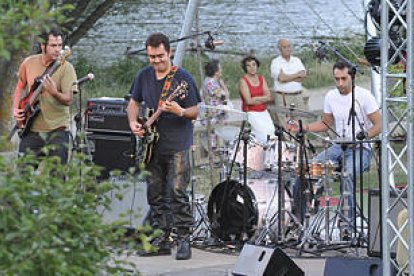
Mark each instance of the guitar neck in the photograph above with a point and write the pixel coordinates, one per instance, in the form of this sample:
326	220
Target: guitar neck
158	112
36	93
152	119
49	71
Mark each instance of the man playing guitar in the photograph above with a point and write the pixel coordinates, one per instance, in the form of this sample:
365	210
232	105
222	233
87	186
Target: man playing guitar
169	164
51	125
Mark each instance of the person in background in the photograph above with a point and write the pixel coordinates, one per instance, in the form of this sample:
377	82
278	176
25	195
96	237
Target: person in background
51	125
215	94
169	165
255	95
288	73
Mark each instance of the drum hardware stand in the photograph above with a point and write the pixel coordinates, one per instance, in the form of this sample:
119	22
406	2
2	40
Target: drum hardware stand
307	230
323	215
279	216
245	137
202	226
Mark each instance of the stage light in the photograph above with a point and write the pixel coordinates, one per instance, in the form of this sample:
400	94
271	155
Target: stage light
396	33
211	43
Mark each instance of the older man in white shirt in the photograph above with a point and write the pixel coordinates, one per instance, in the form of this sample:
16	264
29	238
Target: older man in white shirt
288	74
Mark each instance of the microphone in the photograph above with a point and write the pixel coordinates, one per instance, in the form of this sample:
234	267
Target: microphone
362	135
211	43
86	78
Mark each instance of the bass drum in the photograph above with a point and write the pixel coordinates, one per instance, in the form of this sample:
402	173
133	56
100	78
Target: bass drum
232	208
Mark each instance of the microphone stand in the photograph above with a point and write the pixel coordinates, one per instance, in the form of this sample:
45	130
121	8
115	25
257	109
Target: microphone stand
78	140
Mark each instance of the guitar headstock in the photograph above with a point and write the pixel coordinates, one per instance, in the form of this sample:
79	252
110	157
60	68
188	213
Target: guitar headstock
64	54
180	91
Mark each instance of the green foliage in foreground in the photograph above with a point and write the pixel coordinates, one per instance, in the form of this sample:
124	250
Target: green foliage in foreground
49	223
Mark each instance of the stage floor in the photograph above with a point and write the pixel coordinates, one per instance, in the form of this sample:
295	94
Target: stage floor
209	263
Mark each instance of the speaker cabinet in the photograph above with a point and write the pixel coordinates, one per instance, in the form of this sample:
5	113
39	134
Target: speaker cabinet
340	266
112	152
258	260
374	221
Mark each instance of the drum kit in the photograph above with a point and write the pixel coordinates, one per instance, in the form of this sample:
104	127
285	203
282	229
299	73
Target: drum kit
264	210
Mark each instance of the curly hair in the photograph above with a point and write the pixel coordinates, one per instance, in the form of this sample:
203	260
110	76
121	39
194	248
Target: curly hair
247	59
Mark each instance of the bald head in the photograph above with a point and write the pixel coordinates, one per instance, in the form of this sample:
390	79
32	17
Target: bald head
285	48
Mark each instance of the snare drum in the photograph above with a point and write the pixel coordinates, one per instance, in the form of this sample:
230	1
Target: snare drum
271	155
317	169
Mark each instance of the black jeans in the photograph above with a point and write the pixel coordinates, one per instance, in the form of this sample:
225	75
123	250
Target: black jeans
166	192
35	141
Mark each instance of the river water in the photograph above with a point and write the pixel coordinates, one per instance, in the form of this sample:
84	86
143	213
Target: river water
244	24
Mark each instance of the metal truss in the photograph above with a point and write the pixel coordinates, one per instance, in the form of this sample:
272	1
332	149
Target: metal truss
397	133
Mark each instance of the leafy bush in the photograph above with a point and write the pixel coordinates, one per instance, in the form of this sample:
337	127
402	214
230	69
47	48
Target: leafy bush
48	219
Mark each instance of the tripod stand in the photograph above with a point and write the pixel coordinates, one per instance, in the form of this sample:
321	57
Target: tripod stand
280	215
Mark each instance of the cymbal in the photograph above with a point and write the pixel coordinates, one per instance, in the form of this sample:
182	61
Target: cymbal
291	111
222	107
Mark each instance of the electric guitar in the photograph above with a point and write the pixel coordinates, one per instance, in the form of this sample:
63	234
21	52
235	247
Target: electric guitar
151	134
30	103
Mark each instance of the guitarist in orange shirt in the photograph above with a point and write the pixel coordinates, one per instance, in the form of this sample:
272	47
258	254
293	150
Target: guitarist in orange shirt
42	98
169	162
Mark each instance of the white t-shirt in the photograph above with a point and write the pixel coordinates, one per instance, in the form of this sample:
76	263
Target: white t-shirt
292	66
339	106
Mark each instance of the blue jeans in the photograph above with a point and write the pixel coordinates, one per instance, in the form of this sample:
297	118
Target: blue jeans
166	193
35	142
335	154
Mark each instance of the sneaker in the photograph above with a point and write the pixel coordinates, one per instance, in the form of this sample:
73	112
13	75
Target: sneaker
183	249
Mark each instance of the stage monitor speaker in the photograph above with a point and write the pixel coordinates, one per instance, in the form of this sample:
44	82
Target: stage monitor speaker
258	260
340	266
112	152
374	221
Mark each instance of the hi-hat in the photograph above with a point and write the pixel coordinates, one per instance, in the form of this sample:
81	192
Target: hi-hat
222	107
291	111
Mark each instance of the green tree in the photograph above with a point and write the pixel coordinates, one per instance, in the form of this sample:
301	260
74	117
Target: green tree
49	223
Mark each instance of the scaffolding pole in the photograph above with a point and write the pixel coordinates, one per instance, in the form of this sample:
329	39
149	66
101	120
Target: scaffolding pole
397	110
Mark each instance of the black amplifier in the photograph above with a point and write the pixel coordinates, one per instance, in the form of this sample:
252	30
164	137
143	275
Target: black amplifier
107	115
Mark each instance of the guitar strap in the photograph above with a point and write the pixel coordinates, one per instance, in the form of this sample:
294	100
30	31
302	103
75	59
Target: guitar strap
167	85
